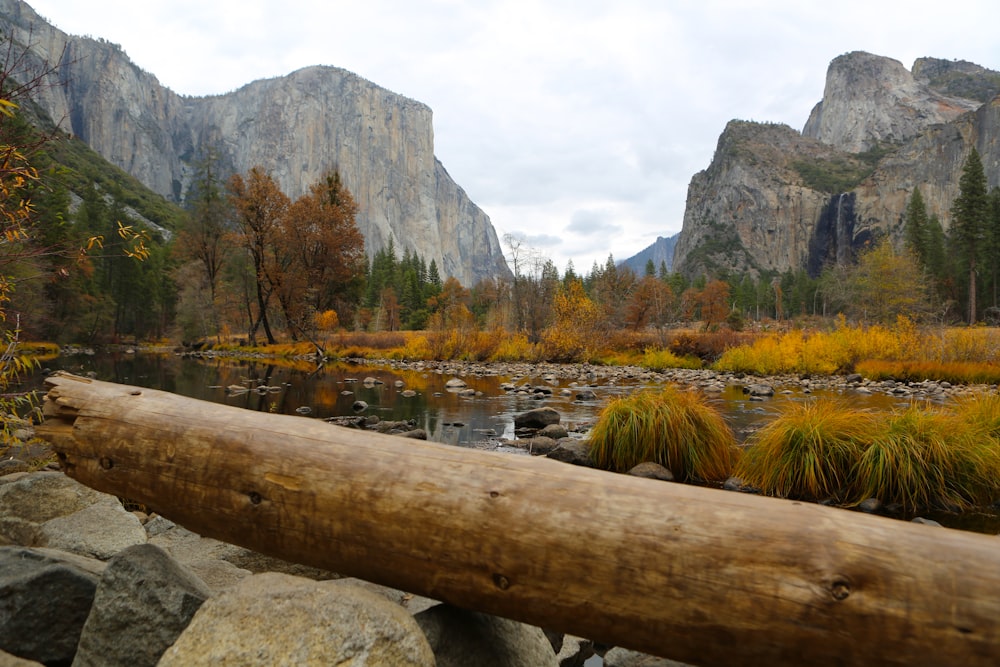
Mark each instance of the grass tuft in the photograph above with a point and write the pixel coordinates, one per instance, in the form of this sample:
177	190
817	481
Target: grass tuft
808	451
674	428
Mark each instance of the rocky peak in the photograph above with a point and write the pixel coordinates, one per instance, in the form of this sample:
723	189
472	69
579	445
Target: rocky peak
297	127
872	100
957	78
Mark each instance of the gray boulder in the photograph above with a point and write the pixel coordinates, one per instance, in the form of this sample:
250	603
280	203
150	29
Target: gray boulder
575	651
277	619
45	597
758	390
576	452
144	601
48	509
460	638
538	418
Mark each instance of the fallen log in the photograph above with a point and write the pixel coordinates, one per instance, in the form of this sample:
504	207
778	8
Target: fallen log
704	576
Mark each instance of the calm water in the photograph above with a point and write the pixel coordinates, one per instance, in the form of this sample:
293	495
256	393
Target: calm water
445	415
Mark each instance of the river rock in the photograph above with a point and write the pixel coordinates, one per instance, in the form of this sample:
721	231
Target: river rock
48	509
620	657
758	390
45	596
455	383
576	452
554	431
586	395
538	418
460	638
652	470
574	651
144	601
276	619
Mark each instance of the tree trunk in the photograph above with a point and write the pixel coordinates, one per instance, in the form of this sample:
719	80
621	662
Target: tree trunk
704	576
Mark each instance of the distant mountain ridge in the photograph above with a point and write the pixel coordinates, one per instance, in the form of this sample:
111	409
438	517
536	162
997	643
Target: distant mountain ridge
660	252
297	127
774	199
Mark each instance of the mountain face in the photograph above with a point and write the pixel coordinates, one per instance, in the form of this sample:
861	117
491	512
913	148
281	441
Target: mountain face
297	127
661	252
774	199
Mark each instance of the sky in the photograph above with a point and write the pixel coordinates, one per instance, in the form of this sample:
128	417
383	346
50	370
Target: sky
576	125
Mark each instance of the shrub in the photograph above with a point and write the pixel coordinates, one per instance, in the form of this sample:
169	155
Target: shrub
925	458
808	451
674	428
658	360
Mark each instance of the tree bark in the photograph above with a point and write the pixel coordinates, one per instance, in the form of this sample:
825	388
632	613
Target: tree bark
704	576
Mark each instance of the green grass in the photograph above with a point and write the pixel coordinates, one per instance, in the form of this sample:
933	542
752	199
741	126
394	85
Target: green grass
674	428
808	451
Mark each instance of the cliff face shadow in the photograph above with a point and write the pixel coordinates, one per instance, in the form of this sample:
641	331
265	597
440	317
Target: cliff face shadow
834	241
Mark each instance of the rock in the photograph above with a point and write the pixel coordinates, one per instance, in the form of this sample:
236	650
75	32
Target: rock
48	509
926	522
538	418
733	484
620	657
145	599
414	604
276	619
758	390
554	431
652	470
853	378
586	395
408	393
45	596
415	434
455	383
10	466
870	506
574	652
460	638
359	406
537	446
576	452
8	660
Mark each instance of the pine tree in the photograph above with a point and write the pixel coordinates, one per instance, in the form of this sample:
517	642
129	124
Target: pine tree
970	212
916	226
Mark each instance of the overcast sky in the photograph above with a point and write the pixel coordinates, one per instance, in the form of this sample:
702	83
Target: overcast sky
575	123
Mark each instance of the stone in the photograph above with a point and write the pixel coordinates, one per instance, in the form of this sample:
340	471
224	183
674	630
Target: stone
10	466
45	596
758	390
586	395
455	383
574	651
144	600
576	452
652	470
925	521
460	638
8	660
538	418
277	619
49	509
733	484
554	431
870	506
538	446
620	657
359	406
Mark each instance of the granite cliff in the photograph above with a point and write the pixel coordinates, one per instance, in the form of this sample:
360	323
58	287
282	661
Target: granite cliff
297	127
775	199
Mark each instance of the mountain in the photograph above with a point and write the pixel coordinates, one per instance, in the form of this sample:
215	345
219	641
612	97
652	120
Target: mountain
661	252
297	127
775	199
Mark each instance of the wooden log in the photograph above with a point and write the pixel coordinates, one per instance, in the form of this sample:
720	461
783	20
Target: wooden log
704	576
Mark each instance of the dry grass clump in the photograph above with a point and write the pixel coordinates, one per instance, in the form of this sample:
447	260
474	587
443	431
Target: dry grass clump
674	428
808	451
918	457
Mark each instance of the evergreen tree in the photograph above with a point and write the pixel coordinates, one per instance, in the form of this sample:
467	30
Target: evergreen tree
970	213
916	227
650	267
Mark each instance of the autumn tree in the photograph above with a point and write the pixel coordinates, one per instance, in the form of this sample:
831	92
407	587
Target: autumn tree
885	284
650	303
259	206
321	254
714	300
970	212
575	329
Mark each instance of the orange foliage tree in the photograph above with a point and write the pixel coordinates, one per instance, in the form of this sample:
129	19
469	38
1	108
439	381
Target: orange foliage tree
573	334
